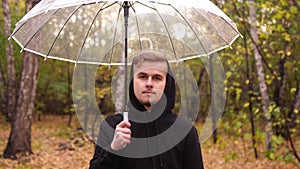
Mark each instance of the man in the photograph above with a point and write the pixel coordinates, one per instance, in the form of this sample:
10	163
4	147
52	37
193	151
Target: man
152	98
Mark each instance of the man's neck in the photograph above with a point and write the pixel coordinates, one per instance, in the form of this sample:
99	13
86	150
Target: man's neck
148	108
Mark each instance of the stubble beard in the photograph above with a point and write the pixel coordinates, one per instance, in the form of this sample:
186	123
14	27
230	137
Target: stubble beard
146	103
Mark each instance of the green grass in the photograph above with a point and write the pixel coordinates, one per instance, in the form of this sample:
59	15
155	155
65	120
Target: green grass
64	133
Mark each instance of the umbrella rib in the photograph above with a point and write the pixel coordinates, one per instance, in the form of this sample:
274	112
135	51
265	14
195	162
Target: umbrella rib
165	25
37	31
138	28
212	26
139	33
131	5
147	5
236	31
61	30
191	29
15	31
115	34
87	33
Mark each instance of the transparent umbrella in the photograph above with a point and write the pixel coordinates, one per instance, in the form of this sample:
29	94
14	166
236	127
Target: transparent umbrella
92	31
112	32
97	32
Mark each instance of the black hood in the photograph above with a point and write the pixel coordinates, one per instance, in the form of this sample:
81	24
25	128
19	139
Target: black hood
157	121
169	91
148	153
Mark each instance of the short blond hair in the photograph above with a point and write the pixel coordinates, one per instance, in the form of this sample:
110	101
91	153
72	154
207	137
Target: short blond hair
148	55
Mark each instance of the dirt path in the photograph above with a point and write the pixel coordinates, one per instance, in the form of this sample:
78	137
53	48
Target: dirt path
57	146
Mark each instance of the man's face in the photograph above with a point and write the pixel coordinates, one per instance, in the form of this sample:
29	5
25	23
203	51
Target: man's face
149	82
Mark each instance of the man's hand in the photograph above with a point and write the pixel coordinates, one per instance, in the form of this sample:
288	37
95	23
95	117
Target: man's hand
122	136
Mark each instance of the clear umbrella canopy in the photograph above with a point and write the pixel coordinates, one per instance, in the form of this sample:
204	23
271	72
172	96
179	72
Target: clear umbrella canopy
97	33
90	31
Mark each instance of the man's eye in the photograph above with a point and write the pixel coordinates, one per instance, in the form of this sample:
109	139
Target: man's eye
142	77
157	78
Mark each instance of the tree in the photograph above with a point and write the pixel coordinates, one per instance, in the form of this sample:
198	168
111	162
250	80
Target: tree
2	90
261	76
292	115
19	141
11	80
119	88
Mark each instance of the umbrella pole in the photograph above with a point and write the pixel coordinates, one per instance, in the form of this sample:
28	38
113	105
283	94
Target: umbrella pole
126	15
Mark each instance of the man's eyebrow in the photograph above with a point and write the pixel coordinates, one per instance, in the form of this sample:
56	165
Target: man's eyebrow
144	73
141	73
158	75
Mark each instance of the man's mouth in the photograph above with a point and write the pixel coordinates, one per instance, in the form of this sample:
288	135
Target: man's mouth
148	92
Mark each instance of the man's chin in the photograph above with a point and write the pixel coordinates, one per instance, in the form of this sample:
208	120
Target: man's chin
147	103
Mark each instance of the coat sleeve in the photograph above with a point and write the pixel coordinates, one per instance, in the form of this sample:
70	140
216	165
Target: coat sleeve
192	157
103	159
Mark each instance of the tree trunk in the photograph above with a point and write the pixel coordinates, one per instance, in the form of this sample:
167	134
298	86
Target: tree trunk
279	92
250	95
11	84
280	85
2	90
199	83
294	108
69	95
292	115
120	87
261	77
213	106
120	92
19	141
86	97
20	136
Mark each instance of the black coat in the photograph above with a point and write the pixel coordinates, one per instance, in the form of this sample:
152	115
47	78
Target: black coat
160	154
185	155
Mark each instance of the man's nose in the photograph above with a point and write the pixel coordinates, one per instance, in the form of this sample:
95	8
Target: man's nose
149	82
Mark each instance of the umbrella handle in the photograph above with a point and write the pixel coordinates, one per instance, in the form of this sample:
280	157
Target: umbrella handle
125	116
126	14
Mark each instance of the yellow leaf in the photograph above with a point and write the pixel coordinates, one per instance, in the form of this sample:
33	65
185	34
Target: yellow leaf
293	90
247	82
246	104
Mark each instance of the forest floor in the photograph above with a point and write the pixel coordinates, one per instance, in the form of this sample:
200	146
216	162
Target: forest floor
57	146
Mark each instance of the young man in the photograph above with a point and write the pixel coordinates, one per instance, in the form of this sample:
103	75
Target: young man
154	137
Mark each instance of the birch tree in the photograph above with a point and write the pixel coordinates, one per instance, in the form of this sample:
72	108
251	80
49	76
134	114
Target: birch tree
19	141
261	75
292	115
11	76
